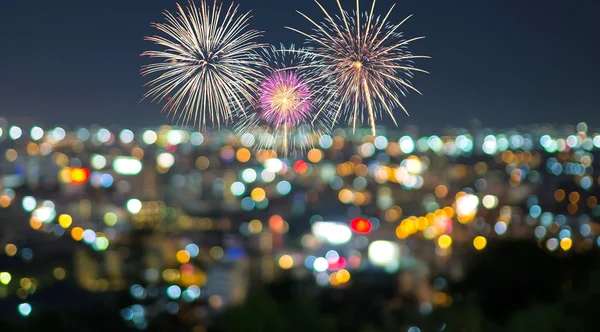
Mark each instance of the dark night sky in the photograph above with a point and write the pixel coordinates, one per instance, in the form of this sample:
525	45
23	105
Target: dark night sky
505	62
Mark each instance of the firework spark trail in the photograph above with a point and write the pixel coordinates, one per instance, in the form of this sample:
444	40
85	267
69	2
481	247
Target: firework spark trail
210	68
366	60
288	98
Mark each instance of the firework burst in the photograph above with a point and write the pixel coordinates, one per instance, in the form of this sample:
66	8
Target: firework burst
366	60
288	98
285	99
210	69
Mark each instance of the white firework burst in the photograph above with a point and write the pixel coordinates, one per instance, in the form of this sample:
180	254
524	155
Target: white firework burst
210	68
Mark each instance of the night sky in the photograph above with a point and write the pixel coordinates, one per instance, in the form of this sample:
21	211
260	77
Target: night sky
504	62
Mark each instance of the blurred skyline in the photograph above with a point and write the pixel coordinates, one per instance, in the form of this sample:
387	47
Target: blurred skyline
505	63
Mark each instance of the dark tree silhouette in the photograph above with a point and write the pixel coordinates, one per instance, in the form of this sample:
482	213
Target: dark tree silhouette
517	286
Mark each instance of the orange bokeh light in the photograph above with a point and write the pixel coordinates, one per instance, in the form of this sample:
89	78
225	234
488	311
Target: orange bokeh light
79	175
276	223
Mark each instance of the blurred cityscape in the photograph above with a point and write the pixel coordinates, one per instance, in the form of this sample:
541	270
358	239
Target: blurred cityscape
162	222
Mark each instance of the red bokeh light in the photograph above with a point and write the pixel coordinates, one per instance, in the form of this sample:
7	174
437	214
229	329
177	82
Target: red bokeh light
187	268
300	166
171	148
337	265
354	262
360	225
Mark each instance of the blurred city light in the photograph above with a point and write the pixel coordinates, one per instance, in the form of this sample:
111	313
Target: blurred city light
25	309
362	226
79	175
384	253
192	215
127	166
332	232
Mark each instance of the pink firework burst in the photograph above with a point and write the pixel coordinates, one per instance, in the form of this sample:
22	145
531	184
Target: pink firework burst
284	99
